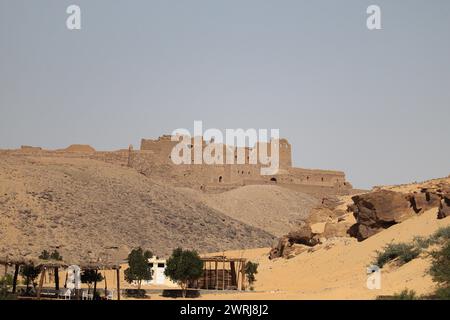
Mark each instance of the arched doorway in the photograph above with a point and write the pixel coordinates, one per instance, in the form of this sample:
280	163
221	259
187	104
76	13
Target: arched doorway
220	179
273	179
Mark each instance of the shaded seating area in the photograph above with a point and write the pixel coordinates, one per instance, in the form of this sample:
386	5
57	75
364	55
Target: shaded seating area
221	273
50	271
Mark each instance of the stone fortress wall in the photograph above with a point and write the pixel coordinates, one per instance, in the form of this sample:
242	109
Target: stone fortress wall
204	176
154	160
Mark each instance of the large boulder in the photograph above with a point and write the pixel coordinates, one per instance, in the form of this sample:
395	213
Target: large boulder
336	230
375	211
294	243
324	214
331	202
303	235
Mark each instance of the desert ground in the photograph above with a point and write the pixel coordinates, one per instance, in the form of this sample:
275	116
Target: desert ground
335	271
339	271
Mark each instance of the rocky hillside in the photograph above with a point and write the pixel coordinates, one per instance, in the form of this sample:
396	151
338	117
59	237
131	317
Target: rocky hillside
92	210
274	209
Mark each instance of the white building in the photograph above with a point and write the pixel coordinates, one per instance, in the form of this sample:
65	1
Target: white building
158	278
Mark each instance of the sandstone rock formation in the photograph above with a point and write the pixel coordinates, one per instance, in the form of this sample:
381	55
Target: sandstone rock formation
382	208
325	222
294	243
444	207
378	210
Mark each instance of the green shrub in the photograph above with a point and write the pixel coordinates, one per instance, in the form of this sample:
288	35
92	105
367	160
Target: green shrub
29	273
442	293
5	284
138	266
442	233
440	266
405	295
251	268
183	267
423	243
402	251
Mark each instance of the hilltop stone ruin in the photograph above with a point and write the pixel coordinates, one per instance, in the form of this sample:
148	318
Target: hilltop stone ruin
154	159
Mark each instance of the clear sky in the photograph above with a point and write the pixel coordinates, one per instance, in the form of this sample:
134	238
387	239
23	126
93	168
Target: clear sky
375	104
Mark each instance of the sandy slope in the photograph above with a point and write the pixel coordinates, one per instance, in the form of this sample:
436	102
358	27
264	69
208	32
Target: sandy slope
271	208
340	272
90	208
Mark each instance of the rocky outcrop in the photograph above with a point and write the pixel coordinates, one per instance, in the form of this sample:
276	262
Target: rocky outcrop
294	243
324	222
444	207
380	209
424	200
331	202
375	211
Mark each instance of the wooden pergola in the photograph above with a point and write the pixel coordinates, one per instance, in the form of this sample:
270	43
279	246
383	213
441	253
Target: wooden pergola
45	265
221	273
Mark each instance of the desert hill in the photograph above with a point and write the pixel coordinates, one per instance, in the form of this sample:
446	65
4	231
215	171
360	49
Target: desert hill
90	209
274	209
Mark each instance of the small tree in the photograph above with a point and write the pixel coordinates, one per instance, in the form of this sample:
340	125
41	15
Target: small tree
251	268
5	284
139	268
44	255
440	266
29	273
56	256
91	276
184	266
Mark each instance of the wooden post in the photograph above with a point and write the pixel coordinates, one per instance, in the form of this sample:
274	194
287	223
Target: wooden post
243	275
204	276
208	275
233	274
6	269
118	283
223	273
16	273
237	265
56	278
65	282
41	283
95	282
106	285
216	273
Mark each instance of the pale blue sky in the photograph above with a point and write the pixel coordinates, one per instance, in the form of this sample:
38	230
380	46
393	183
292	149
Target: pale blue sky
375	104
